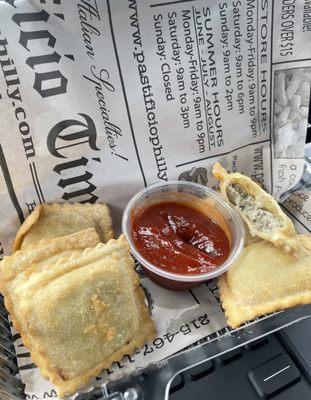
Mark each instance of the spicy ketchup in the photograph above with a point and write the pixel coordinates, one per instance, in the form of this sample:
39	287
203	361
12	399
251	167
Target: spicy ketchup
179	239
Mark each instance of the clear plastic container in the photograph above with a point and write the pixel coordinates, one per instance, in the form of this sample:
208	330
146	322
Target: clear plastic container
192	194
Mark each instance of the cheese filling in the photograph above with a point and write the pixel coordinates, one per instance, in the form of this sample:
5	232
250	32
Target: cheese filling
262	220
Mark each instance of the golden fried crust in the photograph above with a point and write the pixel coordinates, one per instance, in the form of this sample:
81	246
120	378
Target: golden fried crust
305	241
145	333
31	220
265	280
282	234
49	221
10	266
23	267
22	264
89	308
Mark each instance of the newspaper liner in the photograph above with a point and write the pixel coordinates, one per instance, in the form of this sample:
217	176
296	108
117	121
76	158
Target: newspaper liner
149	91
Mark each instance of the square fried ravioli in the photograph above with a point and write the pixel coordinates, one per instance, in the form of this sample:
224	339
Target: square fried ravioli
49	221
265	280
79	316
19	266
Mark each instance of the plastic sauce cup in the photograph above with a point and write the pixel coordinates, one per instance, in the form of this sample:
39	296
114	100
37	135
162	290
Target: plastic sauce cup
161	192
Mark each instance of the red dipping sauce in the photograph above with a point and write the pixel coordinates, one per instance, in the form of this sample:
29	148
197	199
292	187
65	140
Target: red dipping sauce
179	239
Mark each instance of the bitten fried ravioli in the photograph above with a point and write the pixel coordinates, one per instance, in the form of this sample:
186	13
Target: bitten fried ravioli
80	313
265	280
49	221
258	209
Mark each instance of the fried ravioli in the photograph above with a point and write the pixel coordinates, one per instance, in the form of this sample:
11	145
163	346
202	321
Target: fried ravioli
80	313
50	221
48	252
258	209
265	280
22	264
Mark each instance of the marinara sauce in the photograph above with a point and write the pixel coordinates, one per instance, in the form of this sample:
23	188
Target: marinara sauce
179	239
